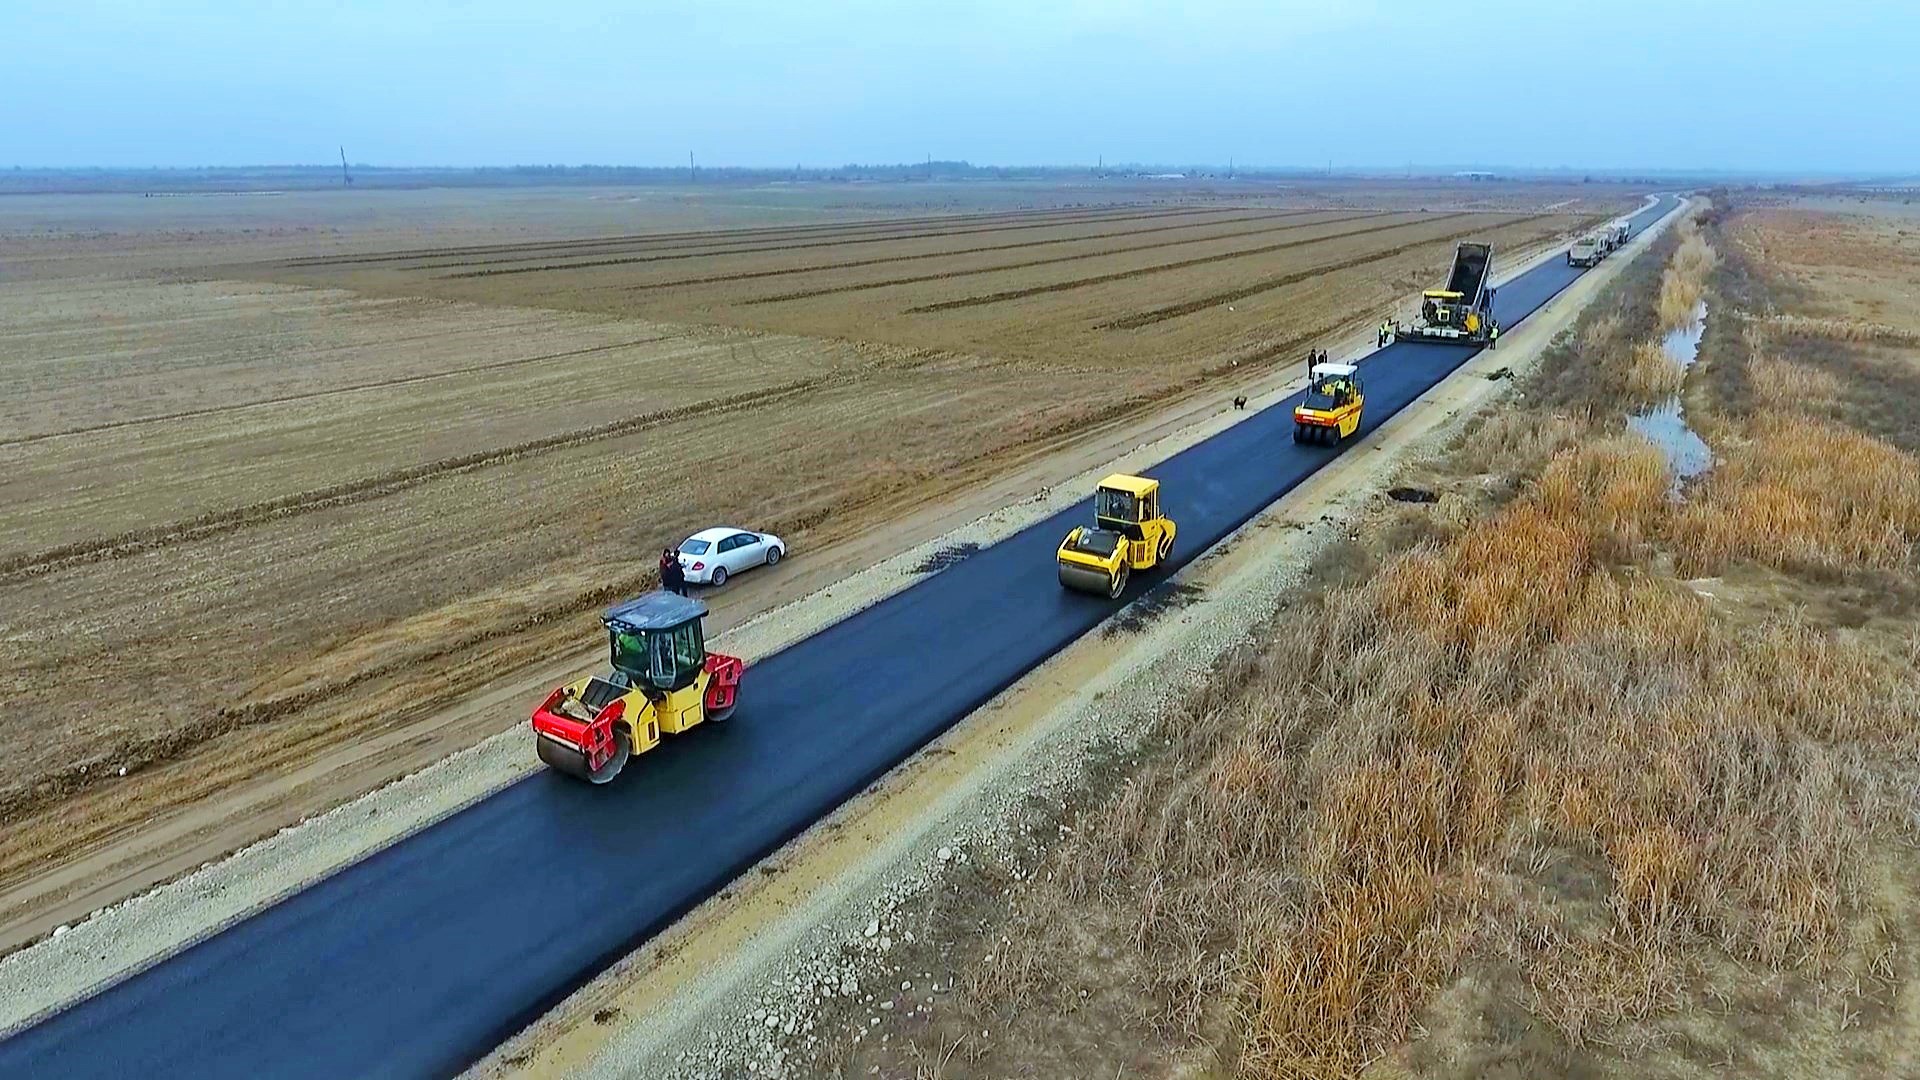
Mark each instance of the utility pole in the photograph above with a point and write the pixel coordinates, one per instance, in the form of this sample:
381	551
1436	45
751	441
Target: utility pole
693	174
345	176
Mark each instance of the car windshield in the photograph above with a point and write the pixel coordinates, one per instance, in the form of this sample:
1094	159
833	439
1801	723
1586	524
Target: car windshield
1108	503
694	547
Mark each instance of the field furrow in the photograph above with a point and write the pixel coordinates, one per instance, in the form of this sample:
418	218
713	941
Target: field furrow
827	242
1162	268
706	234
1128	249
1148	318
813	268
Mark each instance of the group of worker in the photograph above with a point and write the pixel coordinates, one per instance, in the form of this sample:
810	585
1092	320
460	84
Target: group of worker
673	577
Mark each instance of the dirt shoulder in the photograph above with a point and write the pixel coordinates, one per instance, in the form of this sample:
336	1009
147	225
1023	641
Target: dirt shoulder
770	974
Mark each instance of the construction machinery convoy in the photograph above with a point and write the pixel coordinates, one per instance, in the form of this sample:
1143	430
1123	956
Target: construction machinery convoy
664	681
1128	534
1590	249
1331	410
1461	313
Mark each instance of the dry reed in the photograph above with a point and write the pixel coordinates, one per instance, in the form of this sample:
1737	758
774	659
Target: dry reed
1803	495
1685	280
1810	328
1318	845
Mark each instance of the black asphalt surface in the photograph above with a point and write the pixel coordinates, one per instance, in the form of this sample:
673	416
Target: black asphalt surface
419	959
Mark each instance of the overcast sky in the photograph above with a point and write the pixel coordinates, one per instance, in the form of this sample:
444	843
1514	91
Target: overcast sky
1739	84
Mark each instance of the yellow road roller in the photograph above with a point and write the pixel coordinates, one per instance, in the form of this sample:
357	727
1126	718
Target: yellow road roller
664	681
1128	534
1331	410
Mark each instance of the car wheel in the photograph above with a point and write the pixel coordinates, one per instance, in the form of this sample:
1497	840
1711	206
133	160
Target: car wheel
773	555
719	576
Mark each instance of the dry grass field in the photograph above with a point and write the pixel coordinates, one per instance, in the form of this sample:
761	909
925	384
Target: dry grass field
277	470
1559	776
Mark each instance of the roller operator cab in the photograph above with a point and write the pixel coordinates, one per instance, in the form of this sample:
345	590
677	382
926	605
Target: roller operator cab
663	681
1129	533
1331	410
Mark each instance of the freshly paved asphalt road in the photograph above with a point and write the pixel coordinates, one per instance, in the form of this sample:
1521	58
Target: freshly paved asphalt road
419	959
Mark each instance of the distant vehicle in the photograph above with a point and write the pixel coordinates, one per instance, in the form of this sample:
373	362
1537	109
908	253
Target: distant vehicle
711	556
1589	250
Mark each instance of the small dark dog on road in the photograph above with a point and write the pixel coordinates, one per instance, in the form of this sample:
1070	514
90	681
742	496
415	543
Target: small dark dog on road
1240	402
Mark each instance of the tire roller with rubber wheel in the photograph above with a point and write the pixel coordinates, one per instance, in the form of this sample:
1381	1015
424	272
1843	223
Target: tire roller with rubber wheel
663	682
1128	535
1330	411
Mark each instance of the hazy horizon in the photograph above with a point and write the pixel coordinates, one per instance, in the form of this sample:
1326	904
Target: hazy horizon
1655	86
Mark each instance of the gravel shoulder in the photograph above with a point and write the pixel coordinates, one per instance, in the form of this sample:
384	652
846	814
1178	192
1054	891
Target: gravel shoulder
811	946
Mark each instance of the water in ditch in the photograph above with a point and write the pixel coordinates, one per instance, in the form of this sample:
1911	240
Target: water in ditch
1665	425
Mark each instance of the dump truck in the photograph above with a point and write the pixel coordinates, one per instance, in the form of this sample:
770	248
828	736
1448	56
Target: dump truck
1461	313
1589	250
663	682
1128	534
1330	412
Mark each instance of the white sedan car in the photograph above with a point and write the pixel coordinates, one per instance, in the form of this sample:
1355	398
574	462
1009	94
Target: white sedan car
710	556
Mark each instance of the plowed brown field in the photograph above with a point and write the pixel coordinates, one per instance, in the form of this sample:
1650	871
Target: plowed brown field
278	475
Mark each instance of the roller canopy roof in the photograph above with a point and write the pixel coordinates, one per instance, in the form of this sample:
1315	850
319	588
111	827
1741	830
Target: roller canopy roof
654	611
